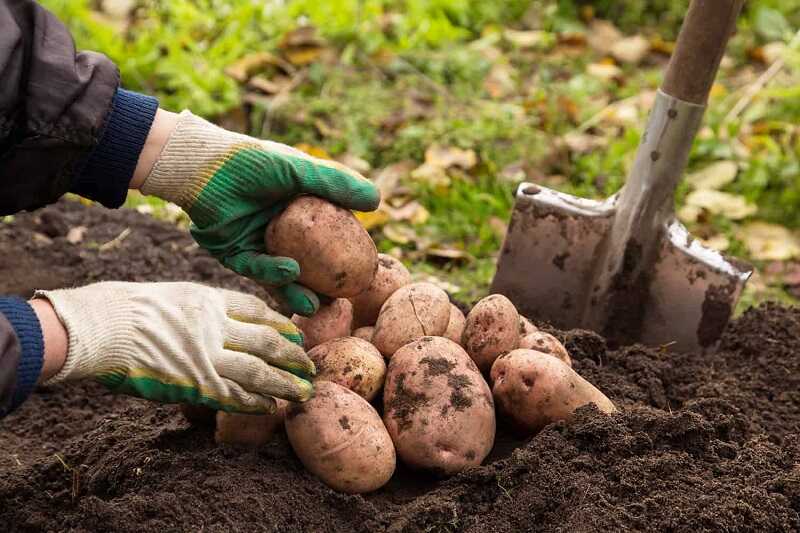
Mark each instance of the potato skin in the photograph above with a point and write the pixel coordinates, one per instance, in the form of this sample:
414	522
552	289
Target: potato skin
364	333
532	389
437	407
249	430
390	276
412	312
526	327
491	329
332	321
336	254
351	362
455	326
340	438
544	342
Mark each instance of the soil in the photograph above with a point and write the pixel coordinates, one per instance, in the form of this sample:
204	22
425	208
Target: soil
702	442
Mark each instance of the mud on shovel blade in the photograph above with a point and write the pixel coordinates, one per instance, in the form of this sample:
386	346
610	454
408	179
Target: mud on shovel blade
625	266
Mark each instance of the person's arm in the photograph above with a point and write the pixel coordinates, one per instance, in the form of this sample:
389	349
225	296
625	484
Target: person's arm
65	123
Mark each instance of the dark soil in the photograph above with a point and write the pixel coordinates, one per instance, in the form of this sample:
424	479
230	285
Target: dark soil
702	442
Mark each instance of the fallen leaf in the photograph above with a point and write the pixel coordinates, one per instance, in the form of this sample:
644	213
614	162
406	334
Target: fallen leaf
326	129
361	166
372	219
714	176
513	172
75	235
449	254
450	156
432	174
630	49
769	242
303	36
118	9
500	83
719	242
387	180
442	284
316	151
582	143
303	56
602	35
659	45
604	71
733	206
772	52
413	212
243	68
528	39
400	234
269	85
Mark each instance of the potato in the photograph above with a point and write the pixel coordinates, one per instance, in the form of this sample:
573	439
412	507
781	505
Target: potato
340	438
437	407
532	389
198	415
391	275
336	254
491	329
412	312
249	430
455	326
364	333
332	321
526	327
545	343
352	363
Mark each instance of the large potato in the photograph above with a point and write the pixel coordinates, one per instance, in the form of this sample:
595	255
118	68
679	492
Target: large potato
336	254
545	343
532	389
249	430
332	321
351	362
411	313
340	438
491	329
364	333
455	326
437	407
391	275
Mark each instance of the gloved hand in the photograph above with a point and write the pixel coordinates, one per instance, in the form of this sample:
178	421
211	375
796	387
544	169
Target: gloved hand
231	186
182	343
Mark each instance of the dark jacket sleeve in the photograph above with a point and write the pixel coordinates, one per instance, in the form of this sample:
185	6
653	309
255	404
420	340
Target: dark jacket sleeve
65	126
21	352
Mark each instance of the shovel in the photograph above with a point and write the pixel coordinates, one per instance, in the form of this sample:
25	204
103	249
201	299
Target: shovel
625	267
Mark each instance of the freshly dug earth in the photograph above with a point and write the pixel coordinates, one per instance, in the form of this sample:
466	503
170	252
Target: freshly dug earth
701	442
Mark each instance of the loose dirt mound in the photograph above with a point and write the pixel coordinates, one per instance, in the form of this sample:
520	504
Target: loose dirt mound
702	443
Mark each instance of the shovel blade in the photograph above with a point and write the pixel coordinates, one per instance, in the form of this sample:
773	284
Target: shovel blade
546	262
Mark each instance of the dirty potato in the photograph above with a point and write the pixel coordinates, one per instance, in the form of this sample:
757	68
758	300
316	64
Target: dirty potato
390	276
412	312
526	327
249	430
332	321
437	407
364	333
545	343
455	326
532	389
340	438
491	329
336	254
351	362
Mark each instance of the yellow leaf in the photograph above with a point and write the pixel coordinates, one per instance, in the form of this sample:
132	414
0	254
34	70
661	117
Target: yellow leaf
769	242
604	71
528	39
714	176
312	150
732	206
373	219
450	156
630	49
243	68
399	234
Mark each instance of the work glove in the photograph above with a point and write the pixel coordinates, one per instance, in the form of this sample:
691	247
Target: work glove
231	186
182	343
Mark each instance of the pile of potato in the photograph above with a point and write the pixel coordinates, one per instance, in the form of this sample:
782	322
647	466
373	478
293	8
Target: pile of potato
438	409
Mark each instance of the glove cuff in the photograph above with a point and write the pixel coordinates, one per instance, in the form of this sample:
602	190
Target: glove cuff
99	327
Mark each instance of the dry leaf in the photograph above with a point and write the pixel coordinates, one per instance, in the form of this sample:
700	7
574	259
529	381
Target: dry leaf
513	172
602	36
631	49
316	151
243	68
604	71
387	180
450	156
499	83
413	212
75	235
433	174
302	36
715	176
449	253
400	234
269	85
527	39
769	242
582	143
733	206
372	219
361	166
719	242
326	129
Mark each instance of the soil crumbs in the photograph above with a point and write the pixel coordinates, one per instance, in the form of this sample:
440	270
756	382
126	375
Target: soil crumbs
701	443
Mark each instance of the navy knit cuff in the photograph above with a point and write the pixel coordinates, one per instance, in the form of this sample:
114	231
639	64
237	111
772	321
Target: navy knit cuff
23	319
109	168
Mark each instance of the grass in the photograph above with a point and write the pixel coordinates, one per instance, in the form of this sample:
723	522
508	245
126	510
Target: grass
400	76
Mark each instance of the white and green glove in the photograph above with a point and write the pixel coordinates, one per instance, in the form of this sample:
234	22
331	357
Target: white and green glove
182	343
231	186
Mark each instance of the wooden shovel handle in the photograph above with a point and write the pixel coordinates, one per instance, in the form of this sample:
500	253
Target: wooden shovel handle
704	35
